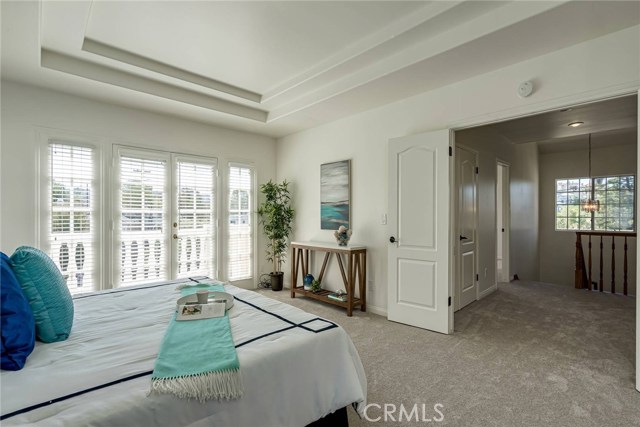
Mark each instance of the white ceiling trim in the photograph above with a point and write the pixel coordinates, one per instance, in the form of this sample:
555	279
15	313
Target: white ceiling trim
83	68
350	53
339	82
103	49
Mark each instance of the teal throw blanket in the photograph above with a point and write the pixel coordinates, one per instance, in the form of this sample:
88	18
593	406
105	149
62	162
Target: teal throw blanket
197	358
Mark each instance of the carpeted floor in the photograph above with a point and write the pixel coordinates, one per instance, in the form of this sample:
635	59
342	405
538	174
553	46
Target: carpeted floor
530	354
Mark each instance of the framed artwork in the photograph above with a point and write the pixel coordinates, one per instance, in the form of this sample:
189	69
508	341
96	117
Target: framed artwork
335	195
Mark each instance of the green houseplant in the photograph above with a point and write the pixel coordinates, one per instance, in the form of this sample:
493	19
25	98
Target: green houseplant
276	217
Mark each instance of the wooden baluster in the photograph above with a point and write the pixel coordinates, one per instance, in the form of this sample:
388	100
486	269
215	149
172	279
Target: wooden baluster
579	273
613	264
625	283
601	282
589	277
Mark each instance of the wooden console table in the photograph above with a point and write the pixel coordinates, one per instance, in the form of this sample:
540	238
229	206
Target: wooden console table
356	271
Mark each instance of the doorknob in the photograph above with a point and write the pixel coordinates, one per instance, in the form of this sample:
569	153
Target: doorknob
392	239
463	238
175	236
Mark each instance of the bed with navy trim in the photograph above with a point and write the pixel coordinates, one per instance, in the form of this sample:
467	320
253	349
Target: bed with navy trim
296	367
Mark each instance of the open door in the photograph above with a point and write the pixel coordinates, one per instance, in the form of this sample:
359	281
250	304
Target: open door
466	214
419	221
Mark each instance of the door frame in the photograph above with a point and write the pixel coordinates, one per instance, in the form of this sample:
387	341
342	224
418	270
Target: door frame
457	261
506	221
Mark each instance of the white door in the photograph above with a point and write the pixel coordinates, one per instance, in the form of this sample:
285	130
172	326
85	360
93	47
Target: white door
466	214
419	209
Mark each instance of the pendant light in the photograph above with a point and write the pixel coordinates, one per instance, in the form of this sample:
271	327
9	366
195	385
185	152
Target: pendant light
591	205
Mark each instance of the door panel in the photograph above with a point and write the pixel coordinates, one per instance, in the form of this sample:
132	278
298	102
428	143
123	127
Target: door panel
419	210
141	217
195	220
411	274
415	195
466	184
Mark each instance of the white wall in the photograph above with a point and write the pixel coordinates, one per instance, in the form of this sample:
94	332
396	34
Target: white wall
27	110
586	71
557	248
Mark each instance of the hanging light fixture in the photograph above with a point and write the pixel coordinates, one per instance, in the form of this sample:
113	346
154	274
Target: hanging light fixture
591	204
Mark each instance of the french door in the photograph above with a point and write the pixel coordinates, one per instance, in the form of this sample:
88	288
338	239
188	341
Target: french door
165	216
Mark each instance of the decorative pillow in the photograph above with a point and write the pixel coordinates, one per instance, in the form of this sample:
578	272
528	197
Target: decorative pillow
47	292
18	327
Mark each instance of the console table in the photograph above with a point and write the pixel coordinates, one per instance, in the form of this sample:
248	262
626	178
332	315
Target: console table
356	271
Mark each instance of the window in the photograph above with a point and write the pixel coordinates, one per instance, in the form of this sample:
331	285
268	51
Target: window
617	200
197	222
142	230
72	225
240	227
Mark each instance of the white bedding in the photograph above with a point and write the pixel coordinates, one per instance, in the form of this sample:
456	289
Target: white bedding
291	377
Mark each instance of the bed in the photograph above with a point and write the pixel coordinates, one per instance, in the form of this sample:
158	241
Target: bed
296	368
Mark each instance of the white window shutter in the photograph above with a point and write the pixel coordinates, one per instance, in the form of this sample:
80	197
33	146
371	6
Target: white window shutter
143	235
240	222
72	224
196	217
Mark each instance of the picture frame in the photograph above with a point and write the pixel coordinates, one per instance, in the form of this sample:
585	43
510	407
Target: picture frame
335	195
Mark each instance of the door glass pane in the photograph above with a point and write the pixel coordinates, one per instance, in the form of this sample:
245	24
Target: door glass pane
196	252
143	212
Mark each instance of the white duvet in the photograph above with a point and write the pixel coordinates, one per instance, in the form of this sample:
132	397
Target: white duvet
295	367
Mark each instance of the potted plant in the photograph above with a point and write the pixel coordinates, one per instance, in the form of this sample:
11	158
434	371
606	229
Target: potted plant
276	216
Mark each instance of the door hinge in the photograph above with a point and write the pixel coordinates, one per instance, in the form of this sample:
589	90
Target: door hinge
477	277
450	151
477	170
449	301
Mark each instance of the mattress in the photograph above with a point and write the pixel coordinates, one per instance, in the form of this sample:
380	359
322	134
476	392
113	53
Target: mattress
295	367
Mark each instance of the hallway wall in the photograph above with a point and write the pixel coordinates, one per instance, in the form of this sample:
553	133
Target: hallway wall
557	248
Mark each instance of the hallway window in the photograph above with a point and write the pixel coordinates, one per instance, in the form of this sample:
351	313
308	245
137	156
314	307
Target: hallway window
617	200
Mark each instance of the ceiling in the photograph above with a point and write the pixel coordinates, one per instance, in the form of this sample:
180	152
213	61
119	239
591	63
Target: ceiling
280	67
611	122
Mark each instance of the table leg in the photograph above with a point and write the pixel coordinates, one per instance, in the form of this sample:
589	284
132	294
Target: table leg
350	286
294	273
363	281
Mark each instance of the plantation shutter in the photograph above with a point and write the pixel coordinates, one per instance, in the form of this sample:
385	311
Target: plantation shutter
240	226
72	224
196	217
143	238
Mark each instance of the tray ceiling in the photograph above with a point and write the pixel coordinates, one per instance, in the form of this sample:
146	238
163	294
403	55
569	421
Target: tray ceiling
280	67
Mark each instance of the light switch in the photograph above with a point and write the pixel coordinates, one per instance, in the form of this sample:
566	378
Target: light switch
383	219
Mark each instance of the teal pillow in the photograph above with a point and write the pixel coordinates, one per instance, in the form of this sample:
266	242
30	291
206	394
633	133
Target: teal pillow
47	293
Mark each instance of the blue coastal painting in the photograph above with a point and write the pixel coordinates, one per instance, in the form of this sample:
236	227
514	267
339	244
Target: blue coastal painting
335	195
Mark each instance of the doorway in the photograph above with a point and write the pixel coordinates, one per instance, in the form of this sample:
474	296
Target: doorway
503	212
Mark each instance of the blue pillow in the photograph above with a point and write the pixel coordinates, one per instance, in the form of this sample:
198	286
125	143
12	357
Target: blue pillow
18	326
47	292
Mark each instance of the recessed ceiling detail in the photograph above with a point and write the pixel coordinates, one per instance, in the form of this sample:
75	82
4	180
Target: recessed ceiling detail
278	67
80	67
121	55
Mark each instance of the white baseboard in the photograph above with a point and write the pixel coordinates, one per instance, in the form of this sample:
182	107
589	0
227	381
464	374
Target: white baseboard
489	291
376	310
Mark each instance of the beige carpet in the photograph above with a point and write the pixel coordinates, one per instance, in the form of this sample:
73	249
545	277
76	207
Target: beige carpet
530	354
